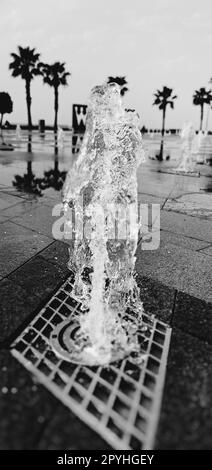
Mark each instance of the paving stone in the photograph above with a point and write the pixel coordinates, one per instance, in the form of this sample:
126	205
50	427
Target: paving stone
48	201
192	204
10	190
39	277
18	244
39	219
25	407
186	415
57	253
207	251
193	316
3	218
157	299
179	268
15	307
23	208
166	185
52	194
66	431
7	200
150	199
186	225
31	418
4	187
167	237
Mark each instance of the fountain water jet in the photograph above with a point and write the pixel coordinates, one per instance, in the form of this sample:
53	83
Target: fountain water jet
18	135
60	137
101	185
187	162
18	132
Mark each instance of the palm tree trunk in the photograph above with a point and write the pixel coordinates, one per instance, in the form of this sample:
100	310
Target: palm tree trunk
201	115
28	100
1	127
160	157
29	145
56	165
29	170
56	106
163	122
55	143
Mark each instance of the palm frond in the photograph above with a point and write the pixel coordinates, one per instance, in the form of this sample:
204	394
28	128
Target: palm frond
25	63
157	101
121	81
16	72
164	97
124	89
54	74
202	96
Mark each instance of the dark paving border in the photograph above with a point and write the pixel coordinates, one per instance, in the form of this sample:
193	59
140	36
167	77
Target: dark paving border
24	408
193	316
157	298
38	277
15	307
186	415
25	290
34	419
75	435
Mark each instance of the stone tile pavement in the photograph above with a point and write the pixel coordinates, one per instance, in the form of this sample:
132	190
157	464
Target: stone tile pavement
175	283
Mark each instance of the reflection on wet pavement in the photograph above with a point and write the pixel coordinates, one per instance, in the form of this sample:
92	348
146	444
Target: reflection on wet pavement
37	167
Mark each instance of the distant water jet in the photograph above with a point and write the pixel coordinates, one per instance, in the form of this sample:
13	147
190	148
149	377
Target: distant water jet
18	133
60	137
187	162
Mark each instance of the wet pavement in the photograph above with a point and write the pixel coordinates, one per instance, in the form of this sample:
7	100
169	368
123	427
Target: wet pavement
175	285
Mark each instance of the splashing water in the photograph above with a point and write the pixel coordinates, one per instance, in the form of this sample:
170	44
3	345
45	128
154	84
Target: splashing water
60	136
102	189
203	148
18	132
188	137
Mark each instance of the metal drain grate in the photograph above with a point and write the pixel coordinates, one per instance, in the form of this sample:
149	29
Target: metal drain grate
120	402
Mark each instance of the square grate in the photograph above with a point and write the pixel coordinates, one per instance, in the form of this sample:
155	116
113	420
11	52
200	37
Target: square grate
120	402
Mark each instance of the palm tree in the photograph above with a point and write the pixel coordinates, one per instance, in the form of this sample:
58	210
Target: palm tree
55	75
53	178
163	98
6	106
24	64
121	81
200	98
28	183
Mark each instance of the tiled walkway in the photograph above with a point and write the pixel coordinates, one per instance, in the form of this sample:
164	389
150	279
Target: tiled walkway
175	283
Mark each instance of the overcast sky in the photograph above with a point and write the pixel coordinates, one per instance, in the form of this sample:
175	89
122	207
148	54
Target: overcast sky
152	42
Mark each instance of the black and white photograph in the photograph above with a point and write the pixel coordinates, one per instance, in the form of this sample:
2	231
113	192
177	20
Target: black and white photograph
105	231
